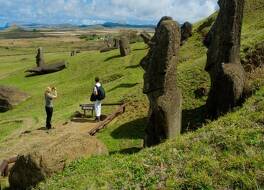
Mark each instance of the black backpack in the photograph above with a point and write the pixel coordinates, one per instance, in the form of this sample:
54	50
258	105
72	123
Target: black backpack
101	93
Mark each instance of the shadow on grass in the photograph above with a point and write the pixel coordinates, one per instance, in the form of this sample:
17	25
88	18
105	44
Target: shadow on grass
124	85
193	119
139	49
33	75
131	150
133	67
112	57
131	130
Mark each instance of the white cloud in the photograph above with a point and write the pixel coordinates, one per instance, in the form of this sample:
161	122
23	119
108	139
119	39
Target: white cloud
85	11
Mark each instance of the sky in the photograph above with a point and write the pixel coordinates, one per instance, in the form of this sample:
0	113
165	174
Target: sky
87	12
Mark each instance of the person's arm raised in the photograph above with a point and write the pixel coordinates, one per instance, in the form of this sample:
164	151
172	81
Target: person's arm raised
52	94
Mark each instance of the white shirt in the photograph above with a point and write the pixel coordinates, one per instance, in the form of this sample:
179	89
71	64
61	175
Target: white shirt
98	84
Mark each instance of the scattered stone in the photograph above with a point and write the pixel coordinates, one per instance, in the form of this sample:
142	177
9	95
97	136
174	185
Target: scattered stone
201	92
73	53
124	46
165	98
186	32
223	59
43	68
10	97
254	58
34	167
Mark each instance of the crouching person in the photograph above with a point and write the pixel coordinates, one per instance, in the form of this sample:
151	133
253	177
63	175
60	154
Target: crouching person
97	96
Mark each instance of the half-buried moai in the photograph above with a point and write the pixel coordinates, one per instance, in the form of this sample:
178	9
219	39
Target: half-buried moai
40	57
223	59
165	98
186	32
124	46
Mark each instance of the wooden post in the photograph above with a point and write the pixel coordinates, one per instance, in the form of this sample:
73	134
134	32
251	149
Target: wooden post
110	118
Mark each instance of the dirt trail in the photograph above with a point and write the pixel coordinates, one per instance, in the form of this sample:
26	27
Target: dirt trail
34	140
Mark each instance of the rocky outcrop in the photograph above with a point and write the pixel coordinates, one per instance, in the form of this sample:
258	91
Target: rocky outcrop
34	167
223	58
10	97
124	46
43	68
160	84
186	31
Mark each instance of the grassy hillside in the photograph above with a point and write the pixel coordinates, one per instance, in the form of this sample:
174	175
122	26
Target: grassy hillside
224	154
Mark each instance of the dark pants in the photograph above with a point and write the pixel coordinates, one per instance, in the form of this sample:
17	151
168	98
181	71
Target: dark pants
49	111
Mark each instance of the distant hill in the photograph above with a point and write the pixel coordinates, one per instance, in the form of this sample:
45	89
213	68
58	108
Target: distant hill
118	25
32	26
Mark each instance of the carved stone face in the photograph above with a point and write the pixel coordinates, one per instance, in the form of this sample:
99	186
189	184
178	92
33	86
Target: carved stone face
160	57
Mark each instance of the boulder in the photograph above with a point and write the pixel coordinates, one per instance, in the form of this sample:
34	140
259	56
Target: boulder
10	97
223	59
186	31
34	167
165	98
124	46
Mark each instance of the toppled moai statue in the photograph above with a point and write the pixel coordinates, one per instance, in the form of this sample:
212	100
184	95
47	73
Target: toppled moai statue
186	32
10	97
124	46
146	37
43	68
160	84
223	59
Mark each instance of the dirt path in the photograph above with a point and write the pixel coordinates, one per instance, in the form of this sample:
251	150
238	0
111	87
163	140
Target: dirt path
38	139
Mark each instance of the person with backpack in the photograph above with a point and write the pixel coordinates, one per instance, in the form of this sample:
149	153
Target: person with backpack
97	96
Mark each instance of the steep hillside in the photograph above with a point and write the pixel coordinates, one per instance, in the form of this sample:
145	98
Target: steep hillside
224	154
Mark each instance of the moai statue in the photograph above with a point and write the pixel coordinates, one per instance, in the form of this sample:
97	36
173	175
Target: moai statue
186	32
40	58
160	84
124	46
223	58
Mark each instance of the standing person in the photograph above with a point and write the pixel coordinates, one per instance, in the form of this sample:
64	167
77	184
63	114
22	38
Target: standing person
99	96
50	94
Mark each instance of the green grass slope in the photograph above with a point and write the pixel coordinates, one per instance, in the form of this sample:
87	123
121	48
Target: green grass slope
224	154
